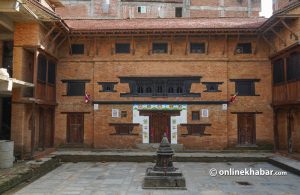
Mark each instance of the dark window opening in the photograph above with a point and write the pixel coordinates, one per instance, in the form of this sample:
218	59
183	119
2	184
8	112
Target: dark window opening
42	68
197	47
51	72
278	71
148	90
178	12
293	66
212	86
77	49
7	56
123	114
195	115
122	48
170	90
159	89
142	9
140	89
76	88
107	86
245	88
179	90
160	47
244	48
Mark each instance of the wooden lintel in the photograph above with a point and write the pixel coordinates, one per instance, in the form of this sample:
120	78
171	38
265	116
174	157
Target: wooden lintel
278	35
289	29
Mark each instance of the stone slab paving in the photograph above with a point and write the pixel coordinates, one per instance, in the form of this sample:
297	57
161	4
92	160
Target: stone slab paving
118	178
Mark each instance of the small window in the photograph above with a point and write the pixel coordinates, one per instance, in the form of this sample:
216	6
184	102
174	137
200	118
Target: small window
197	47
178	12
160	48
278	71
42	68
140	89
244	48
122	48
77	49
195	115
212	86
245	88
159	89
148	90
107	86
76	88
123	114
179	90
170	90
51	72
142	9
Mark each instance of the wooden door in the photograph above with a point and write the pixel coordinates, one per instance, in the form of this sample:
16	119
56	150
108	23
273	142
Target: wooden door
246	129
75	128
159	124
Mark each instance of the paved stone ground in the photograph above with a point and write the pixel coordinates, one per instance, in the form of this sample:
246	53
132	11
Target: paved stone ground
116	178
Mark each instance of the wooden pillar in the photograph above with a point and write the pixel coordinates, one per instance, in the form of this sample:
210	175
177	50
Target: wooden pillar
276	134
289	131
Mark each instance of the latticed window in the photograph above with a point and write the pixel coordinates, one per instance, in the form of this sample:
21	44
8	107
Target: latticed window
278	71
293	66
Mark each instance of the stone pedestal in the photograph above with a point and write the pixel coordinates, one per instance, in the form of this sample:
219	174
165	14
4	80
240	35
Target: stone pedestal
164	175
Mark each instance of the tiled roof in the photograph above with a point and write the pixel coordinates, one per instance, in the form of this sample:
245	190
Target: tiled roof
164	24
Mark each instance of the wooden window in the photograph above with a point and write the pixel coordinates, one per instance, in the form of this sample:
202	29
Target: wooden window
76	88
123	114
124	128
108	86
160	47
212	86
244	48
122	48
278	71
195	115
197	47
77	49
153	86
42	68
178	12
51	72
293	66
245	88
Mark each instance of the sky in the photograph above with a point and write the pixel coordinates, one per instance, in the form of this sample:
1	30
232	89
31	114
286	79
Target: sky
266	8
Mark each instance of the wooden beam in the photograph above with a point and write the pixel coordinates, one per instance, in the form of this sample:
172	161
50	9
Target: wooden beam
132	46
278	35
149	45
48	34
207	45
171	46
289	29
269	43
70	48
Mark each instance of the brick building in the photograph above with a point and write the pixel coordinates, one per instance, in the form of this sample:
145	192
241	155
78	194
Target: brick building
119	74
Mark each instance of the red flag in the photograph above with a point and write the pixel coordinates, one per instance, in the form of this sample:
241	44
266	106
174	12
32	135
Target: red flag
233	98
87	98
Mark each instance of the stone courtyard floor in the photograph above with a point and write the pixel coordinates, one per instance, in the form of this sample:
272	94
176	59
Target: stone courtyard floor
118	178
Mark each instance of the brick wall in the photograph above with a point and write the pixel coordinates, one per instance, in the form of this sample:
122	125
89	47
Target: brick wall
102	65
